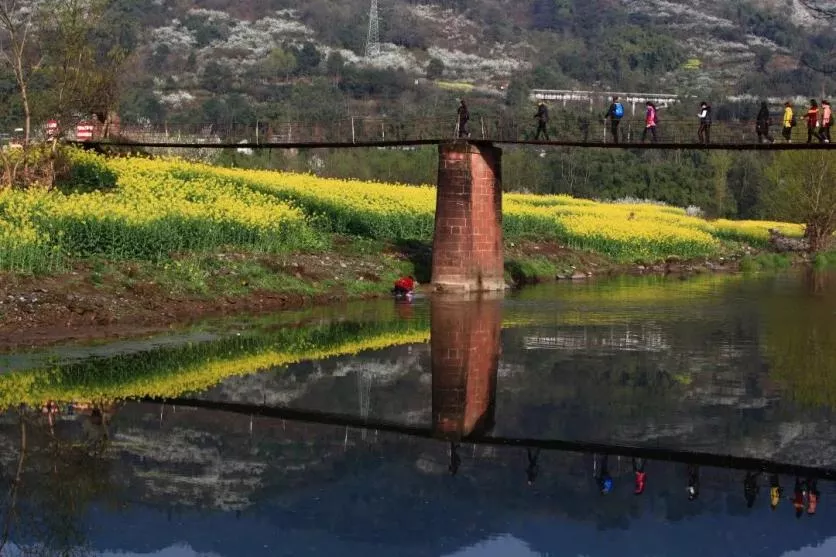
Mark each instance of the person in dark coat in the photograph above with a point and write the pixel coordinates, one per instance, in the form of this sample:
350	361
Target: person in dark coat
762	124
542	117
464	117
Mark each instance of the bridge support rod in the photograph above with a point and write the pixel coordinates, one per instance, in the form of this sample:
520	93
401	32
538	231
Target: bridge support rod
467	243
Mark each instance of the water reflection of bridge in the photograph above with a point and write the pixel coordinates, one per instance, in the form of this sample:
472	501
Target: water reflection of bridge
465	355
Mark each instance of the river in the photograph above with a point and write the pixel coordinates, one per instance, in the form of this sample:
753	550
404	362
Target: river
632	417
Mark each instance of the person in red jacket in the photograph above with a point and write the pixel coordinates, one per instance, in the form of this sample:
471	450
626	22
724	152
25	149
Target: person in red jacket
813	122
404	287
650	121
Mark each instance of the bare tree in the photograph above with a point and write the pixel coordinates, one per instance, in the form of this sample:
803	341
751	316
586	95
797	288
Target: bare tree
18	49
55	40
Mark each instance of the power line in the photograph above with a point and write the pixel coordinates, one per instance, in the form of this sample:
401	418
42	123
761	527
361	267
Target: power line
373	38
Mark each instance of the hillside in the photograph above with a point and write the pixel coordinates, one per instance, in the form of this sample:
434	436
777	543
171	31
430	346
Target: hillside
216	60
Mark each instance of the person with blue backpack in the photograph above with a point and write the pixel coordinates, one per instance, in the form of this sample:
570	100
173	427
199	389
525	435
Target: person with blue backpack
615	113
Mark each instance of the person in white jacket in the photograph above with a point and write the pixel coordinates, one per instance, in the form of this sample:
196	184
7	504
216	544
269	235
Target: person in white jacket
704	133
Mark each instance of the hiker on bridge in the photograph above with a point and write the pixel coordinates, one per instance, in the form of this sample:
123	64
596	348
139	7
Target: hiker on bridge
826	121
463	118
615	113
762	124
542	117
650	121
704	132
788	122
813	121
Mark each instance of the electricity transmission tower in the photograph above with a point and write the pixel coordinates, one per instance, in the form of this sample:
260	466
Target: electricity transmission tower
373	39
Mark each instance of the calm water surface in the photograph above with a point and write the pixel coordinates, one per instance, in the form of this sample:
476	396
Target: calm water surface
518	429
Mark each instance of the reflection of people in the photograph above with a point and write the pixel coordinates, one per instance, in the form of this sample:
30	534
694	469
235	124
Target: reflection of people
455	459
533	468
50	409
640	476
602	474
750	488
798	493
693	482
812	496
775	491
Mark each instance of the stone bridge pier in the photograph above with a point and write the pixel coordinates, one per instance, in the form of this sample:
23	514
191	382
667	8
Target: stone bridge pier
465	350
467	251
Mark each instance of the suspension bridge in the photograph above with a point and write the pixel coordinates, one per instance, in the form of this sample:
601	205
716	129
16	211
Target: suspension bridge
353	133
468	249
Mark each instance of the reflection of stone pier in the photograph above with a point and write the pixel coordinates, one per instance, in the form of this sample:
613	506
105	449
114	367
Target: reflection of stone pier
465	345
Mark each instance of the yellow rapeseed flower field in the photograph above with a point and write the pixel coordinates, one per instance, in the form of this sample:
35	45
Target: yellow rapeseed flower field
155	208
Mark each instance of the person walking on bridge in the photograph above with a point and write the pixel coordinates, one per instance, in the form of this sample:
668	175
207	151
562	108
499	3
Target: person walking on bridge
788	122
704	133
463	118
615	113
813	122
762	124
826	120
542	117
650	121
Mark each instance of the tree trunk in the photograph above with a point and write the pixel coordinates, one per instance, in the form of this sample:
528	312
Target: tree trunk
818	234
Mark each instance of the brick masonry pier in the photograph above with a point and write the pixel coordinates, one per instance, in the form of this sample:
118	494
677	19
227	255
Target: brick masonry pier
465	349
467	242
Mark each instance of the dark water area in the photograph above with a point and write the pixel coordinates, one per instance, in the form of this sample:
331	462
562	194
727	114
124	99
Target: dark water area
635	417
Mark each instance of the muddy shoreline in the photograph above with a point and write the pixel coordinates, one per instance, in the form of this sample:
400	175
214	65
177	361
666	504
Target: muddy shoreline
42	311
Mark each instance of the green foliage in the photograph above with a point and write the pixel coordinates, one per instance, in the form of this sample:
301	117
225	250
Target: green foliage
435	68
802	191
800	341
765	262
525	270
85	172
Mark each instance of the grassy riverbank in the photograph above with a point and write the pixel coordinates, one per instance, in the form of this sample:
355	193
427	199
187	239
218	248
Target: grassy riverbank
130	240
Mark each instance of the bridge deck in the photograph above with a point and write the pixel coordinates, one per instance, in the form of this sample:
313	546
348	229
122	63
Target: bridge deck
777	146
650	453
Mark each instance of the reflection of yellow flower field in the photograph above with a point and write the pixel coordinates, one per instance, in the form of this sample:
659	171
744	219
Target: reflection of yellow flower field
170	378
173	372
163	206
